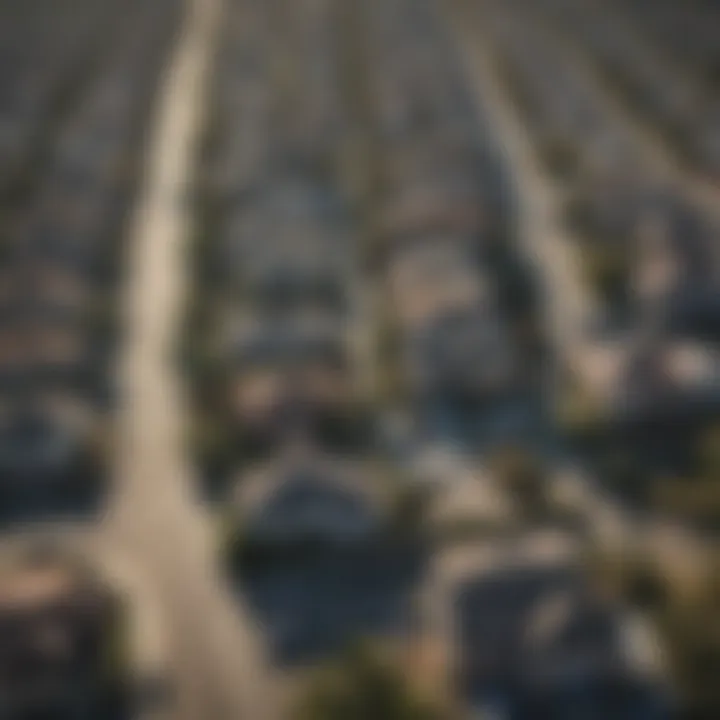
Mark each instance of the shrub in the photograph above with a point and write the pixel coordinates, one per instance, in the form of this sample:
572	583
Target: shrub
212	446
409	508
522	475
607	270
364	685
116	659
561	157
691	633
688	623
578	413
696	500
241	552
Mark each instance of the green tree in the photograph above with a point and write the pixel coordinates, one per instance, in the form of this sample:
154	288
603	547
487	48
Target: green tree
361	686
521	473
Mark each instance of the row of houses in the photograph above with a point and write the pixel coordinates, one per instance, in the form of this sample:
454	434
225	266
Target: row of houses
327	540
650	253
43	63
440	207
62	256
661	58
76	87
626	217
284	412
489	585
271	345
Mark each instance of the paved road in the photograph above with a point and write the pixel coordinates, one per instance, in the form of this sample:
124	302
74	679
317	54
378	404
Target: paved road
570	309
215	652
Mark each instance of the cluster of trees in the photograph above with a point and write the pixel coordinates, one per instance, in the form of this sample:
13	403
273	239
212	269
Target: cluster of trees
696	498
684	608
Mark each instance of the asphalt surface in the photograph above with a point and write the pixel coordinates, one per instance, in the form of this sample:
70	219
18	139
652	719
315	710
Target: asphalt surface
214	660
153	541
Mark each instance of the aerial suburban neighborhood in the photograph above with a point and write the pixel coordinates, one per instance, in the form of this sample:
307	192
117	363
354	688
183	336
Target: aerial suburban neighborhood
359	360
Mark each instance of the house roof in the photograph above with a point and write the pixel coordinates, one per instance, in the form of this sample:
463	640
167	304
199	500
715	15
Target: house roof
302	467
